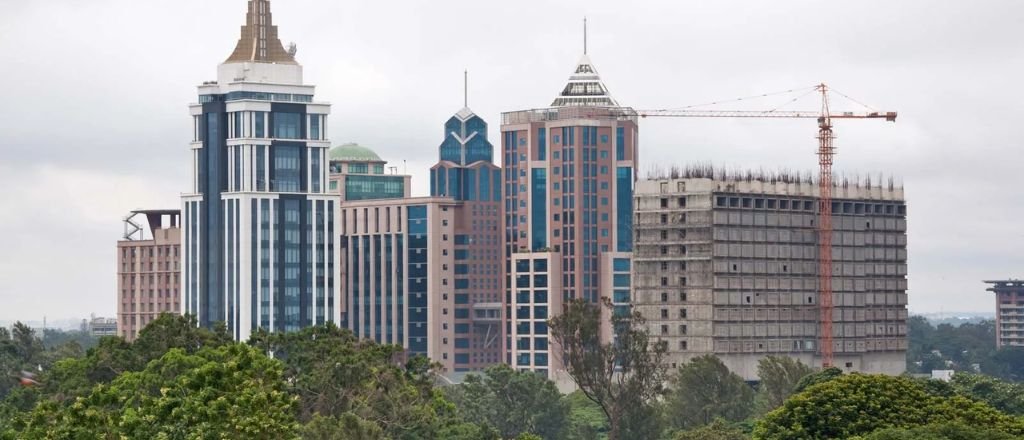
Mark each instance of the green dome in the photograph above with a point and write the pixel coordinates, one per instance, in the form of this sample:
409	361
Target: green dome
353	152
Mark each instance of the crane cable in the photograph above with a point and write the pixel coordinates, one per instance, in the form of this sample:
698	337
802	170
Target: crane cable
744	98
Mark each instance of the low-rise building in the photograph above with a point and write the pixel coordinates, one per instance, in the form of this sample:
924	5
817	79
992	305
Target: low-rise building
148	269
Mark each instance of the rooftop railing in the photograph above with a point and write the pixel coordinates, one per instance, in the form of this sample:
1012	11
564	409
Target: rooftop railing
562	113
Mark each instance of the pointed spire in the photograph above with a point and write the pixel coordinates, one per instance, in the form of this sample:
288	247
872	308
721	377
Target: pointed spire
465	88
259	42
584	35
585	88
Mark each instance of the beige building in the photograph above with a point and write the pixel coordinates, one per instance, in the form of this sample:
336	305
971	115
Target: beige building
728	266
1009	312
148	270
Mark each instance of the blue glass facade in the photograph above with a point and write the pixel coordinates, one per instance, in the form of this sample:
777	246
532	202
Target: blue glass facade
281	276
624	209
369	187
417	227
539	211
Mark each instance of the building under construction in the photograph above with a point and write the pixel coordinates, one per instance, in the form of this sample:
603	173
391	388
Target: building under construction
727	264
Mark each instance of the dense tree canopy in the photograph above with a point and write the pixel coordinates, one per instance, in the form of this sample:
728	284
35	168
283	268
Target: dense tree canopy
231	391
704	390
858	404
512	402
181	381
779	376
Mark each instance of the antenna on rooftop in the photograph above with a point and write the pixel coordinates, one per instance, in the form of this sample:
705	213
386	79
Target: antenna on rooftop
584	35
465	88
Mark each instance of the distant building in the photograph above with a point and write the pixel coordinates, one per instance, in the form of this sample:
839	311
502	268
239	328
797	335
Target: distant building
569	171
466	173
148	275
260	224
397	265
99	327
1009	312
728	266
357	173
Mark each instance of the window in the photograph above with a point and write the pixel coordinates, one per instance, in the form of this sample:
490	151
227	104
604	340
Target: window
664	313
682	329
664	218
314	126
287	125
682	296
682	202
664	281
664	296
664	329
664	203
287	174
682	313
682	345
664	235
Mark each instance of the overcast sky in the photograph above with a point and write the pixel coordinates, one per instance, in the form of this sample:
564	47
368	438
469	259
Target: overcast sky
94	119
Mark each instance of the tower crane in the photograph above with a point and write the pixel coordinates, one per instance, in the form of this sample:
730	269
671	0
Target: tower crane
826	153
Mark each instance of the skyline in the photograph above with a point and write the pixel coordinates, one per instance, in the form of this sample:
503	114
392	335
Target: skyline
92	153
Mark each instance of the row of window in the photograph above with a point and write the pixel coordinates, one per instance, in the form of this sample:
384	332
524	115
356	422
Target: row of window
838	207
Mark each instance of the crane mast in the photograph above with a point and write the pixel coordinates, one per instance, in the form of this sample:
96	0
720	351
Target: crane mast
826	154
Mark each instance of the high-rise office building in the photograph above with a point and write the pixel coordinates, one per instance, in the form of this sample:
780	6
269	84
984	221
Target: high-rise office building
467	174
728	265
259	223
568	178
148	275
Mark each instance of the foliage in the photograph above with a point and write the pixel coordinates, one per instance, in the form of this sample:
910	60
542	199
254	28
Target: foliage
779	377
716	430
586	420
511	401
816	378
619	377
112	356
962	348
334	373
468	431
348	426
54	338
944	431
1007	397
858	404
231	391
703	390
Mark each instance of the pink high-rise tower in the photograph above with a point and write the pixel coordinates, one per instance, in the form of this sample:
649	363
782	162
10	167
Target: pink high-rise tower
568	177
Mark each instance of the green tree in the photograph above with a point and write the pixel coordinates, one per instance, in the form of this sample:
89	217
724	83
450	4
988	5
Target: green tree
586	420
703	390
779	377
944	431
716	430
858	404
513	402
1007	397
231	391
334	373
817	377
619	377
349	427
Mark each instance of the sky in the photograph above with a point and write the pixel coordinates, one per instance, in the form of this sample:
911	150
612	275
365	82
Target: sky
94	112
